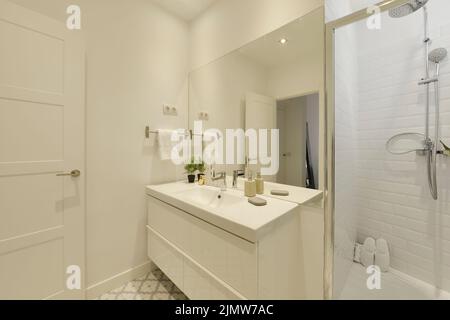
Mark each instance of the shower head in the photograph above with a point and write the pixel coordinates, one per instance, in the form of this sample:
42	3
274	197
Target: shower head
407	8
437	55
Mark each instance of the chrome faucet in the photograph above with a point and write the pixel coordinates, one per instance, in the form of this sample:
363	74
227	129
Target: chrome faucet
236	175
222	176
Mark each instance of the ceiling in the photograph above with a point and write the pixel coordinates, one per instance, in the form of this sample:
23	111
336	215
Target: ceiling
304	38
185	9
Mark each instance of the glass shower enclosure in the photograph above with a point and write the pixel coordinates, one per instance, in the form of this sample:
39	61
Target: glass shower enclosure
388	129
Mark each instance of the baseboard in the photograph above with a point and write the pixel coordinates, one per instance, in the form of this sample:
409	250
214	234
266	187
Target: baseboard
116	281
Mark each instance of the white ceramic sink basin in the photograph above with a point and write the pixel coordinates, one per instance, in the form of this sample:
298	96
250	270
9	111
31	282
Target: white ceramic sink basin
229	210
210	198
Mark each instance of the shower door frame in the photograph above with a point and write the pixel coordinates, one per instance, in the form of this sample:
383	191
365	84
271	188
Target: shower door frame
330	174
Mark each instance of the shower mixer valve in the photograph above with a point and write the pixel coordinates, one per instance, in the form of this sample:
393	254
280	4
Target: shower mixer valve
429	146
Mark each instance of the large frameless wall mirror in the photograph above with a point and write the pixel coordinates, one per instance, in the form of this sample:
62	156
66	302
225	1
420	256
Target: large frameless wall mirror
275	82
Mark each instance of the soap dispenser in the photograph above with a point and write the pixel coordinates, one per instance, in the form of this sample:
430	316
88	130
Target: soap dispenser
250	186
259	184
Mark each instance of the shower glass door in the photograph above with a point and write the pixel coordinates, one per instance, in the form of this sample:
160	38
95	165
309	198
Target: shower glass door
390	236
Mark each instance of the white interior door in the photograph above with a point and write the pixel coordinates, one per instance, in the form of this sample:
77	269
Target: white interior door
41	135
260	113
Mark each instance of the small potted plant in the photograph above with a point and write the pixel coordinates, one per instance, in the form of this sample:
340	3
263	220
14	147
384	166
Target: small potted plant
190	170
201	167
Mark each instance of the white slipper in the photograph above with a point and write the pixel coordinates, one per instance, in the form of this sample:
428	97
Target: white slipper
382	257
368	252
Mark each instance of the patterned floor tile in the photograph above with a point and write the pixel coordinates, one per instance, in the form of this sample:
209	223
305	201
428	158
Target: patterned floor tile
126	296
152	286
161	296
143	296
149	286
143	277
108	296
117	290
133	286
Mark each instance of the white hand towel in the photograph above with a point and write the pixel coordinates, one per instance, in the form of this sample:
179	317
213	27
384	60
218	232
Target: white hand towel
382	258
165	144
368	252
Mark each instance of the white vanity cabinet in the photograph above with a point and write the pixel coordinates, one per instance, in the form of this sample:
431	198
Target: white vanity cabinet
208	262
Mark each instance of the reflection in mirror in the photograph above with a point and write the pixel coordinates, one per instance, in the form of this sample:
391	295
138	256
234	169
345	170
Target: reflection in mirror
297	120
275	82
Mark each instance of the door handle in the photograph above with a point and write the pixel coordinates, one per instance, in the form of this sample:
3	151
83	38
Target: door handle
73	174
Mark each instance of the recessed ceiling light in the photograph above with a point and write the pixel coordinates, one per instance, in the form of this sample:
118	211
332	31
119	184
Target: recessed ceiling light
283	41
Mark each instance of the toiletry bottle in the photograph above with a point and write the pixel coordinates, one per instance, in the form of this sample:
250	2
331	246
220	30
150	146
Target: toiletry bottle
250	186
259	184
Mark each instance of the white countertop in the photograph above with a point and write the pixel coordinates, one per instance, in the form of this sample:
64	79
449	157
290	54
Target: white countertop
299	195
240	217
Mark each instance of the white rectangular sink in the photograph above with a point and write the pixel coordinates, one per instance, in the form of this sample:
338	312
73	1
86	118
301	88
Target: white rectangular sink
210	198
228	210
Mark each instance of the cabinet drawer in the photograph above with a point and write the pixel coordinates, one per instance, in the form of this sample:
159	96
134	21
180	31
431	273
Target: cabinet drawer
228	257
167	258
199	285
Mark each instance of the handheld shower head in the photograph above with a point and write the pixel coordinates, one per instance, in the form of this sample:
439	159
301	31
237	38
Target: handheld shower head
407	8
437	55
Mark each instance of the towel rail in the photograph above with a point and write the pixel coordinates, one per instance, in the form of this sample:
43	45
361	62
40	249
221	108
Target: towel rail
149	131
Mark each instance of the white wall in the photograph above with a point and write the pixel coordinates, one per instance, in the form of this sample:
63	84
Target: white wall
230	24
137	60
135	66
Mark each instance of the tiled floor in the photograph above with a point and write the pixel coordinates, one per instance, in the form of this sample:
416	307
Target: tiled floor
152	286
